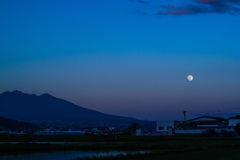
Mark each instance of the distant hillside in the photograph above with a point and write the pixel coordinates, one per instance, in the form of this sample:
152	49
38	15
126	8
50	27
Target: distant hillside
22	106
11	124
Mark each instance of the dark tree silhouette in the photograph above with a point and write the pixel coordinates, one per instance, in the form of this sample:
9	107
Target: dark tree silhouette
237	128
132	129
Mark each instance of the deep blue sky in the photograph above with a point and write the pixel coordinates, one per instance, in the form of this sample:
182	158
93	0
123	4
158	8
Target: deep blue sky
125	57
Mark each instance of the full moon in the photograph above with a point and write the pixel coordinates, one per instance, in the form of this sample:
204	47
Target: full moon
190	77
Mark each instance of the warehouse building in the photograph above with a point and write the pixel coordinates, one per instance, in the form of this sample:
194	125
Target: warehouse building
197	125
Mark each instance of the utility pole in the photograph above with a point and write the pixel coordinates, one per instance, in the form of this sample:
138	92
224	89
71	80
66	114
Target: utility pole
184	113
146	124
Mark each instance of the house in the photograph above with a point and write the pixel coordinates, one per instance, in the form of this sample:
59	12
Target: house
206	122
202	124
197	125
233	121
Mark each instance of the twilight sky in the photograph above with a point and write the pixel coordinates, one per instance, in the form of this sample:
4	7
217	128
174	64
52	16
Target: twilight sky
125	57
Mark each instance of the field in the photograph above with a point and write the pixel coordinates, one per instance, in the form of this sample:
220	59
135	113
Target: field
161	147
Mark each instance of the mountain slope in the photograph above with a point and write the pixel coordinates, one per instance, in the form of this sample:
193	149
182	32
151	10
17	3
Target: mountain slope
18	105
6	124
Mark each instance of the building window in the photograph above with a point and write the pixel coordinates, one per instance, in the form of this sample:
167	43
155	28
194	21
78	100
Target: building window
160	128
169	127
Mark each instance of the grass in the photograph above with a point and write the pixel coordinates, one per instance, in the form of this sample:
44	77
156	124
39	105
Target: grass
33	148
166	148
84	138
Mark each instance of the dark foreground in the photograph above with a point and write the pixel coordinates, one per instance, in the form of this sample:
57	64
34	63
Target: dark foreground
166	148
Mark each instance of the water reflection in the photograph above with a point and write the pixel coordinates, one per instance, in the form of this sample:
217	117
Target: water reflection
66	155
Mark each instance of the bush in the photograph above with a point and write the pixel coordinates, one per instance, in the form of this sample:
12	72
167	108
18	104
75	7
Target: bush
237	128
211	133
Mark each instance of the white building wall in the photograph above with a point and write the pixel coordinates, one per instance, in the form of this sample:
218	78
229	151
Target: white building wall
164	126
138	132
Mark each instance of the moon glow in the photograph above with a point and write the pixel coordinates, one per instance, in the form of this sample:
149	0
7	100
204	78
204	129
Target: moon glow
190	77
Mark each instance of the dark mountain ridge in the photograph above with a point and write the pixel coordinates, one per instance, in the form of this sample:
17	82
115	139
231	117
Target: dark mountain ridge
10	124
22	106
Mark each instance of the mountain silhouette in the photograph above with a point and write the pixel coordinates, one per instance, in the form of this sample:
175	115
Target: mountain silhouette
10	124
22	106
